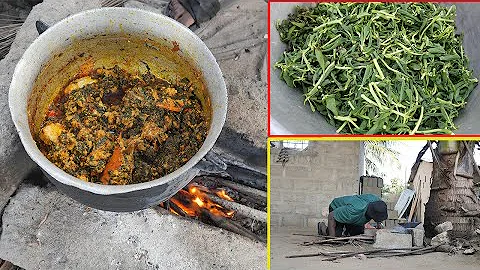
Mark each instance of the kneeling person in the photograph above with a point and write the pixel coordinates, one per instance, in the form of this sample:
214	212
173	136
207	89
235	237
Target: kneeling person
352	213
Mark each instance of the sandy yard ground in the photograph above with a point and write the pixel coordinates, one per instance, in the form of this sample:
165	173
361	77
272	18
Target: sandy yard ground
283	243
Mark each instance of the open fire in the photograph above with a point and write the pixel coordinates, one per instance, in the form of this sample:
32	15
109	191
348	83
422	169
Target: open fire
195	198
222	203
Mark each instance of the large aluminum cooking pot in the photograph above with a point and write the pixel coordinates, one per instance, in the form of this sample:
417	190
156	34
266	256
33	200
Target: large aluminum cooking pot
96	23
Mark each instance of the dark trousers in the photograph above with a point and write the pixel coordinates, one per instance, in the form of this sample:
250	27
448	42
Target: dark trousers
350	229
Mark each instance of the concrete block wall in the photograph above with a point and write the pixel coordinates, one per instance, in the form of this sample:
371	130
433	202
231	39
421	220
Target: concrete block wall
302	189
372	185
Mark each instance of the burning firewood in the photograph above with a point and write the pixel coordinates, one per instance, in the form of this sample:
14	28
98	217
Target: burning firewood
240	209
214	205
229	225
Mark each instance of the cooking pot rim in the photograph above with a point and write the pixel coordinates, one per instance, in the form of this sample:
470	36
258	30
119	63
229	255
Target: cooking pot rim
23	129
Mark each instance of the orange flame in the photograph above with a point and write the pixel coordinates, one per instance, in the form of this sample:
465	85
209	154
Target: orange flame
223	194
175	212
199	199
184	208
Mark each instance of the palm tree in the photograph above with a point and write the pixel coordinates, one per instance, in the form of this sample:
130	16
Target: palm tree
452	197
380	156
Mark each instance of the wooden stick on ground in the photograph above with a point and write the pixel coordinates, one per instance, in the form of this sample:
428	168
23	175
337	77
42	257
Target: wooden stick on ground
306	234
371	252
345	254
336	239
317	235
315	254
419	251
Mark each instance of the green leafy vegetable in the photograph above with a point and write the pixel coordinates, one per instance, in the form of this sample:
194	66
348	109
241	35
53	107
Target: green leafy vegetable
378	68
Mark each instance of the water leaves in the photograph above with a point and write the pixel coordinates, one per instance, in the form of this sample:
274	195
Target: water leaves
378	67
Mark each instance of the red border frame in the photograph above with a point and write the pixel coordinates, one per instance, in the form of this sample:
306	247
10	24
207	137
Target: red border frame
417	136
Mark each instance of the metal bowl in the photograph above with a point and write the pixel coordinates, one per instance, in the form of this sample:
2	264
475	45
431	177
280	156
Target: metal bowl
37	59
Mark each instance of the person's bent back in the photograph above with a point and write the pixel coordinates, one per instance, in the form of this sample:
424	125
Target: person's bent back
349	214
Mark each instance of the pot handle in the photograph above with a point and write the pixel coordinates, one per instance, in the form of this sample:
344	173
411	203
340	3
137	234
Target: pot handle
211	163
41	27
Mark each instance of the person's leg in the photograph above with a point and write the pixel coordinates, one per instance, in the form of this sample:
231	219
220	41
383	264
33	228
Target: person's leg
322	228
353	230
339	229
190	12
177	11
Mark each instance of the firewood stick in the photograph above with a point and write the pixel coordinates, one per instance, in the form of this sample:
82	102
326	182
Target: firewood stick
304	234
239	187
366	252
177	209
5	265
331	243
336	239
315	254
240	209
324	236
316	235
228	225
253	199
420	251
349	254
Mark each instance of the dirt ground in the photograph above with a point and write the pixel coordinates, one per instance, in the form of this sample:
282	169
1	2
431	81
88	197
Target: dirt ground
283	243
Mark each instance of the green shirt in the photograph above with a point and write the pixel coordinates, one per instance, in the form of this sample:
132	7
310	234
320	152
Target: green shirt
351	209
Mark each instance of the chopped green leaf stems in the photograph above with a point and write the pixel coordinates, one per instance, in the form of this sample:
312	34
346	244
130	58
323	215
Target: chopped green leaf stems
378	68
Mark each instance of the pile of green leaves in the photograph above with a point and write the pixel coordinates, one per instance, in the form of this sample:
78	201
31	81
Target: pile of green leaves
374	68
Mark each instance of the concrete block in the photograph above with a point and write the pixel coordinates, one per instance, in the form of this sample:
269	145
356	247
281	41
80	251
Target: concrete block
281	183
279	207
304	210
391	205
440	239
389	223
275	219
276	170
297	172
444	227
370	232
305	184
380	183
417	237
387	239
291	197
294	220
392	214
329	189
372	190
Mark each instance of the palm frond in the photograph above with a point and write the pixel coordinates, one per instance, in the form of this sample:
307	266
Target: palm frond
381	154
9	26
113	3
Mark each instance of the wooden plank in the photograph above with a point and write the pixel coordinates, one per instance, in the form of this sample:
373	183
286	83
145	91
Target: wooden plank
415	202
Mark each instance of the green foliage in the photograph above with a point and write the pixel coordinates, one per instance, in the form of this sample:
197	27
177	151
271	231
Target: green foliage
395	188
378	68
380	156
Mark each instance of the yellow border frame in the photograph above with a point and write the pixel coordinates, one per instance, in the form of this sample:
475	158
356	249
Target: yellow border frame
340	138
